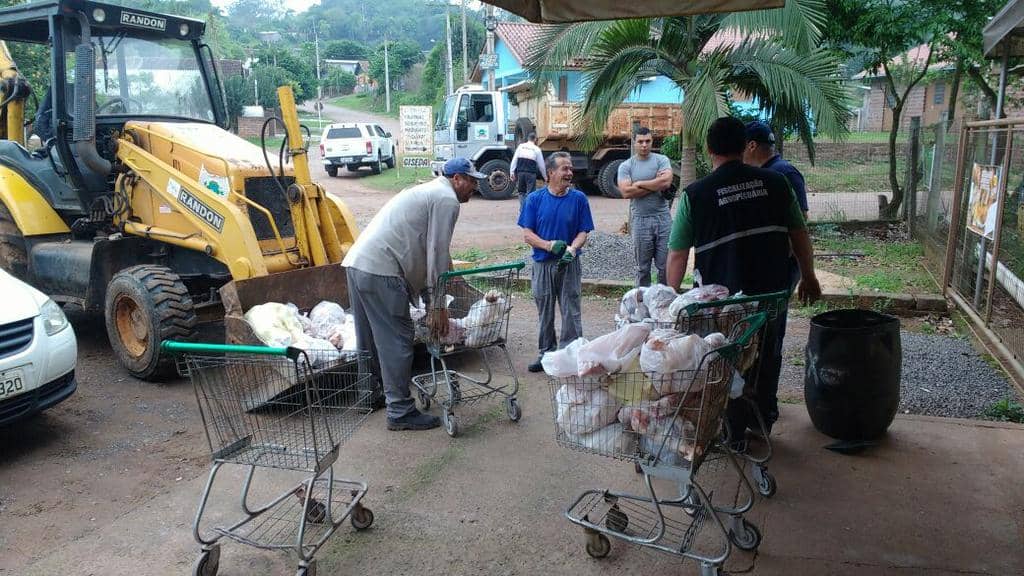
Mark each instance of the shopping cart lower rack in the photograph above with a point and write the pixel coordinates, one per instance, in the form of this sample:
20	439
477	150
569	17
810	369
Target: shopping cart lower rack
670	439
478	303
281	408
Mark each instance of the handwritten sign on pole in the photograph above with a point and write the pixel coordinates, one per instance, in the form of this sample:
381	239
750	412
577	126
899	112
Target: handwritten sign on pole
417	130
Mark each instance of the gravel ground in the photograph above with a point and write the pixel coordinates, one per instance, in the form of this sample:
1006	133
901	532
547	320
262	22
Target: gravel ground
605	257
942	376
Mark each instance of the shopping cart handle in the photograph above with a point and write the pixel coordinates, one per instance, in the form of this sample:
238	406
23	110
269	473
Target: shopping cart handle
485	269
173	347
754	323
781	296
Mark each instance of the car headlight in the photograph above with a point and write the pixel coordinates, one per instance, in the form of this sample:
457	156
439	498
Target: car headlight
54	319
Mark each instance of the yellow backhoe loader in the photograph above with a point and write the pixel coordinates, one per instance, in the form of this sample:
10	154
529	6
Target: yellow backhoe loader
139	203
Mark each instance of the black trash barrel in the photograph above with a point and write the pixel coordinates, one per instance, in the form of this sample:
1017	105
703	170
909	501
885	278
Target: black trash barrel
852	383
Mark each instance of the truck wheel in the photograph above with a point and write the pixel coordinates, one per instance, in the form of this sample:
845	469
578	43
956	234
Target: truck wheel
524	127
391	161
146	305
376	167
498	184
607	179
332	171
13	253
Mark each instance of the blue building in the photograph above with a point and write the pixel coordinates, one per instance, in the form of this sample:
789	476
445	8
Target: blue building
512	44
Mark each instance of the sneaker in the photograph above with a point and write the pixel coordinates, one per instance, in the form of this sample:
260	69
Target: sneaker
536	366
414	420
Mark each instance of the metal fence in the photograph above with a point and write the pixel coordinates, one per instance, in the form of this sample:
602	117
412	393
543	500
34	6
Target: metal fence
970	219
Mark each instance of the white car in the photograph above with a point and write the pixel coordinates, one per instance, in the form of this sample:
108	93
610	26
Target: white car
38	351
354	145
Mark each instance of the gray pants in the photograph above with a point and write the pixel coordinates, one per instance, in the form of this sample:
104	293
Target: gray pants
380	306
553	284
650	242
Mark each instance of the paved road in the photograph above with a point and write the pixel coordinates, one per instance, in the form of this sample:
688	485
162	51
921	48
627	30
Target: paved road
339	114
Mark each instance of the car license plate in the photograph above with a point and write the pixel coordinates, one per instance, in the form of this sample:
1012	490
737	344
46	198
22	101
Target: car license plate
345	160
12	382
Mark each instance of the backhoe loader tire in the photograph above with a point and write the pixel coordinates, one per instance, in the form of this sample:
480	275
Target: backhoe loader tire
13	255
146	305
332	171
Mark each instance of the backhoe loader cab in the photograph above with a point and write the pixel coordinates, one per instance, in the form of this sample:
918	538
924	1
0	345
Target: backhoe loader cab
139	203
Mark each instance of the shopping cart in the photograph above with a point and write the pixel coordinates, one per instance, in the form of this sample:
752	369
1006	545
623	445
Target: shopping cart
669	438
724	316
479	301
315	401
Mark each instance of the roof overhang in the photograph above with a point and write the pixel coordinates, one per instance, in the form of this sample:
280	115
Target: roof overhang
565	11
1004	33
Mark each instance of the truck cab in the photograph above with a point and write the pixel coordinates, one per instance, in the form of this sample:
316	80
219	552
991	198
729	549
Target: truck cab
473	123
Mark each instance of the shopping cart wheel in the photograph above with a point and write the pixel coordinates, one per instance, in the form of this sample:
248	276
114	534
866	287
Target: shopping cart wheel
425	401
307	570
208	562
765	481
451	424
598	545
616	520
361	518
748	538
513	409
316	513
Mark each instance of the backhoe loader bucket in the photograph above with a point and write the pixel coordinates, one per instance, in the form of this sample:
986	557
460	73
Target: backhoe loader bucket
304	287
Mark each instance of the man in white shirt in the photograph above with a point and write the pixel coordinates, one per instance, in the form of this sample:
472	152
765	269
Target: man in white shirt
527	165
397	258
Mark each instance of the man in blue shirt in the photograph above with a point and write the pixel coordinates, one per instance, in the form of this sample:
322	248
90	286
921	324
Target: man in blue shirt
555	222
760	152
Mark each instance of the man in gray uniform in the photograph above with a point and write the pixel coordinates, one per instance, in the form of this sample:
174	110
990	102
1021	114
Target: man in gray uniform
643	179
400	256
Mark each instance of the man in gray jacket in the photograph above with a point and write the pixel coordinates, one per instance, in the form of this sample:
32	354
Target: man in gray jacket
643	178
398	257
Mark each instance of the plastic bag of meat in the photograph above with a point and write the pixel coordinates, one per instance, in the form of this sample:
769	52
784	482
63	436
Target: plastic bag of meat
607	440
483	323
563	363
320	352
632	307
275	324
669	359
584	411
657	298
612	352
670	441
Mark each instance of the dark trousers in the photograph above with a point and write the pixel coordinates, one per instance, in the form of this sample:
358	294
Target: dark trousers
525	183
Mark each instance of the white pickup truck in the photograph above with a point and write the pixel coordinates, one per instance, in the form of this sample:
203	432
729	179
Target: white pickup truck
354	145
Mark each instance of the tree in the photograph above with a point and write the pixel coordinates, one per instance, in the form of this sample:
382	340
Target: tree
434	84
402	55
299	71
341	80
879	33
268	79
236	94
344	50
795	82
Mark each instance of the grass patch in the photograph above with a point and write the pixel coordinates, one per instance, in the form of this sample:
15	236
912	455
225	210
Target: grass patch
395	179
881	281
874	264
471	254
273	143
427	471
368	103
808	311
1006	410
858	138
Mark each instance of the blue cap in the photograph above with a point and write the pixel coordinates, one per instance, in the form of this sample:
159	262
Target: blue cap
758	131
461	166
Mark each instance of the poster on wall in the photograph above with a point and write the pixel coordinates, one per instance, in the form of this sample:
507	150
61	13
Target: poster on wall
984	199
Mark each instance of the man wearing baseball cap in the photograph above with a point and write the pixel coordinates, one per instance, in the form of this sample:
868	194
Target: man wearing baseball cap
760	152
395	260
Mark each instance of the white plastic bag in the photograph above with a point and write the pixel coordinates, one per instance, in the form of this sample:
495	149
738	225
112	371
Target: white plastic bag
657	299
612	352
671	441
582	411
483	323
632	307
563	363
320	352
607	440
669	361
275	324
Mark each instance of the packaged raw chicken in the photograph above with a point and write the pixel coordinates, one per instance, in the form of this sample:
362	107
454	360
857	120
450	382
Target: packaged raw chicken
632	307
669	359
483	323
327	321
582	411
275	324
670	441
612	352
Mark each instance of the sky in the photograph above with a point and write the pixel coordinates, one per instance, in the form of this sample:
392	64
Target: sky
296	5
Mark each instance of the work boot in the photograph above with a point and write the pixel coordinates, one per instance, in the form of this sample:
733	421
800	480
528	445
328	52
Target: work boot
536	366
414	420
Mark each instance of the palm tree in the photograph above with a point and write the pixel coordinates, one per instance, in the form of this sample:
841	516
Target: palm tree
778	61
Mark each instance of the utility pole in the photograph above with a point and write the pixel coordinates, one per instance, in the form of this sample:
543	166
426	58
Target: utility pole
319	84
465	54
387	77
491	24
448	40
